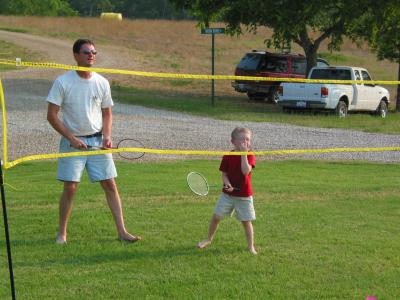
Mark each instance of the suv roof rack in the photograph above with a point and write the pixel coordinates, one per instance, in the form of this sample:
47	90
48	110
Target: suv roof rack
278	53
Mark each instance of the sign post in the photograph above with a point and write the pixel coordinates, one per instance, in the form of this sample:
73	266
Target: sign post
213	32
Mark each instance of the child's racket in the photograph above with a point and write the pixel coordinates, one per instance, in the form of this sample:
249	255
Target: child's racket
198	184
125	143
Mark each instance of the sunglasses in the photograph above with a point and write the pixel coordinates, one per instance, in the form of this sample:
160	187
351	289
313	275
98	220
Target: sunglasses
87	52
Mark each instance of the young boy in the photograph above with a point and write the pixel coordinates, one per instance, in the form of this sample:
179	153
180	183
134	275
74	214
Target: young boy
237	192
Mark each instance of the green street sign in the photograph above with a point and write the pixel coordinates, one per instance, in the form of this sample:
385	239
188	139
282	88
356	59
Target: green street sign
212	30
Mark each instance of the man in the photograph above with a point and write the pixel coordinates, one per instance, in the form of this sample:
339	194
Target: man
84	98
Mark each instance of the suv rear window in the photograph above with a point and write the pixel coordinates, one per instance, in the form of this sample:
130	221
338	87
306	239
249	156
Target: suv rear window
274	64
299	66
262	62
331	74
250	61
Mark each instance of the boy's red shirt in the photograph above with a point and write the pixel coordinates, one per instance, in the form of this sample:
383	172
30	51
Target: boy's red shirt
231	165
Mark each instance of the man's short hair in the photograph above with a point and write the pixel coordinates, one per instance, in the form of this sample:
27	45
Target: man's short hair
238	130
78	44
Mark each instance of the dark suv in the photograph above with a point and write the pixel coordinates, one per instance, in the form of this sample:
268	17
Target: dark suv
266	64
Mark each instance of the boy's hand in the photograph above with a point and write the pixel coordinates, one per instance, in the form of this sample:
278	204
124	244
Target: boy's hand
228	188
243	147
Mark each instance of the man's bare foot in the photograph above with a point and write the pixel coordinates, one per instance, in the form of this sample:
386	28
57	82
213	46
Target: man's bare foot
61	240
203	244
127	237
253	251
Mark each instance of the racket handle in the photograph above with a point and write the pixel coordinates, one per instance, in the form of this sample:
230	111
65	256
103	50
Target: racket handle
234	188
90	147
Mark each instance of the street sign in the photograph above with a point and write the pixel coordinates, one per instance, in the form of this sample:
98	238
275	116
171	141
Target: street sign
212	30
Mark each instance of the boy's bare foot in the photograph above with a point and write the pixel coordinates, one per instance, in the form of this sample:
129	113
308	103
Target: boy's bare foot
127	237
61	240
253	251
203	244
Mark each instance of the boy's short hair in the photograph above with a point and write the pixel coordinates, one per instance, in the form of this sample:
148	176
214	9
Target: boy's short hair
76	48
238	130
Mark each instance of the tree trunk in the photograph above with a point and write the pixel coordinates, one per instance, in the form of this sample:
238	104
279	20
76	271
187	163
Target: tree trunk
91	10
398	91
310	47
311	57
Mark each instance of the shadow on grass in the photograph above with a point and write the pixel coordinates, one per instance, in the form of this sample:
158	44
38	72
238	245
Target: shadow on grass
128	254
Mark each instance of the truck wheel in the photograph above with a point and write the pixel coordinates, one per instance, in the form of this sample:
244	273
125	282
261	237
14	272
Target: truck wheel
273	96
382	110
286	110
256	96
341	109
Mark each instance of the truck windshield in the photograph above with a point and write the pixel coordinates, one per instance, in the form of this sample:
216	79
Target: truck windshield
250	61
335	74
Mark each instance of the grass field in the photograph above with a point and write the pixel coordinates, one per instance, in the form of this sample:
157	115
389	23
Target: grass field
324	230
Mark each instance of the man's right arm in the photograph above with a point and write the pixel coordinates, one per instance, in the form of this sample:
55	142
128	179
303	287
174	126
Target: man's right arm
55	122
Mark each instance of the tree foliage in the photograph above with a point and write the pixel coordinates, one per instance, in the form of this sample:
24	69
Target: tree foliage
36	8
381	28
150	9
92	8
144	9
306	23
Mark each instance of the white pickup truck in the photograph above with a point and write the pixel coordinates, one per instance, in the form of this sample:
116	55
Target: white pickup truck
338	97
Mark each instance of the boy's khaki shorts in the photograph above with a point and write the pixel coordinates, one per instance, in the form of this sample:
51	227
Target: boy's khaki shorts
243	206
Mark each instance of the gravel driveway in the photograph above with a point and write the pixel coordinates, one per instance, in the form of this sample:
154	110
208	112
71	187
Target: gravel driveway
29	133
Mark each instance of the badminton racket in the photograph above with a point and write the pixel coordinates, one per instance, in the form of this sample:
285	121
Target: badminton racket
125	143
198	184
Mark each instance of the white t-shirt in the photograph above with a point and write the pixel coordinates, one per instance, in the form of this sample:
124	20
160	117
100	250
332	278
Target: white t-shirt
81	101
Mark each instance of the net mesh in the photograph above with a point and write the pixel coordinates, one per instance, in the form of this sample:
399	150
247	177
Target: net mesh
29	133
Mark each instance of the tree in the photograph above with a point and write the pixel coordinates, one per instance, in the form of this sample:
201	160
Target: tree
92	8
36	8
381	28
306	23
150	9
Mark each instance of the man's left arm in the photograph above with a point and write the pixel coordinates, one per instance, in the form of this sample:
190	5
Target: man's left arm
107	126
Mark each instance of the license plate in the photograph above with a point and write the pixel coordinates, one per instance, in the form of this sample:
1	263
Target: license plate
301	104
241	86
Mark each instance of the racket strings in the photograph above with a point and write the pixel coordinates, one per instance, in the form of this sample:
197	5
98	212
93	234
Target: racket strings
126	144
130	144
197	183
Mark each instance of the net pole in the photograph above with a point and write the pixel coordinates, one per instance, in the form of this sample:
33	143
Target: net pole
212	69
4	124
3	202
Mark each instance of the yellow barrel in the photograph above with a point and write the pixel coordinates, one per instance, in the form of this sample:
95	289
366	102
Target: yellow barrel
111	16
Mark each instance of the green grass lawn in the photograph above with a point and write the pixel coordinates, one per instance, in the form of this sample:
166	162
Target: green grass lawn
239	109
324	230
